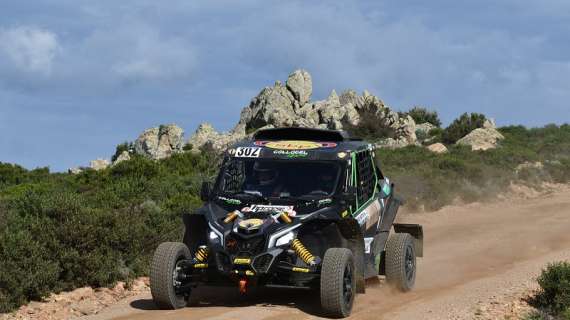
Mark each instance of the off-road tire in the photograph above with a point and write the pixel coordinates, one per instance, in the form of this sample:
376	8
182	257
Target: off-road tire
338	263
401	261
161	275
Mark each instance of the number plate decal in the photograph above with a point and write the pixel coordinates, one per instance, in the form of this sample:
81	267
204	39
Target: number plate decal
248	152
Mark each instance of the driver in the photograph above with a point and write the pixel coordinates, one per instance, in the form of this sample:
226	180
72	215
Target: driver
325	182
267	177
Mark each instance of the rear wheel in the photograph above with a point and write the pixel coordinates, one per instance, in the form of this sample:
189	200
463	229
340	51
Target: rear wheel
401	261
338	282
164	274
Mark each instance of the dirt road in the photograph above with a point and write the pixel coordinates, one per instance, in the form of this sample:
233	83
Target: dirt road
473	254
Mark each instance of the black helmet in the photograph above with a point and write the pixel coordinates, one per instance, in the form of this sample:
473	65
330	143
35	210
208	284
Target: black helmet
265	172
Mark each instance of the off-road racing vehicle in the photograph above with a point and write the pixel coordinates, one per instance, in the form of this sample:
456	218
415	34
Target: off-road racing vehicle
293	207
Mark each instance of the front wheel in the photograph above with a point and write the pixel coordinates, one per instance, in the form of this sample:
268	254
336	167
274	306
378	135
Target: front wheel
401	261
338	282
164	275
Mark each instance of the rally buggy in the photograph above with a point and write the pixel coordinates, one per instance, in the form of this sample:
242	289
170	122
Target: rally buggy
293	207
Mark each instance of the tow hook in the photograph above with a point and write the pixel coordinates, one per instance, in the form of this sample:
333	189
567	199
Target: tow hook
243	286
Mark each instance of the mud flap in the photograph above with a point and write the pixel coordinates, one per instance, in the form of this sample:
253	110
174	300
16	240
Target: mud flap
195	231
394	203
374	256
350	230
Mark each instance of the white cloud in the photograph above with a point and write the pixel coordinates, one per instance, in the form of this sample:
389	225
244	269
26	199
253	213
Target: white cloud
29	49
149	55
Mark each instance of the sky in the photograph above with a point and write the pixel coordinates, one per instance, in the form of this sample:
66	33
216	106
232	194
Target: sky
79	77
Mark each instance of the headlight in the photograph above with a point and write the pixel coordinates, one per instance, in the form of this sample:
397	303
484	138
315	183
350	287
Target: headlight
215	235
286	239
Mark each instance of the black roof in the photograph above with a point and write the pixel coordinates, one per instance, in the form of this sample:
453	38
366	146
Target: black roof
303	134
331	141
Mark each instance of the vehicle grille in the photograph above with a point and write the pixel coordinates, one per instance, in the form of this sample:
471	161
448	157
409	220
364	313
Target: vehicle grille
262	263
223	262
245	247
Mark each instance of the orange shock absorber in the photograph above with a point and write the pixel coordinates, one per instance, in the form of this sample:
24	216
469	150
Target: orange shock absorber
201	254
285	217
302	252
231	216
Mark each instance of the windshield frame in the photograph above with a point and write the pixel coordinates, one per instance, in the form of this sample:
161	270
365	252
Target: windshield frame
339	179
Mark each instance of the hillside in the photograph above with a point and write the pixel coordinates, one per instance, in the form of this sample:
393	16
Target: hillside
95	226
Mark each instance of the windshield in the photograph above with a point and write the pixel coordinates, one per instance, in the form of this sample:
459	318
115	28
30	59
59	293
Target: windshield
279	178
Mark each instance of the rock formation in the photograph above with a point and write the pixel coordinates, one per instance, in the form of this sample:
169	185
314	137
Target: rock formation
482	139
160	142
124	156
290	105
99	164
437	148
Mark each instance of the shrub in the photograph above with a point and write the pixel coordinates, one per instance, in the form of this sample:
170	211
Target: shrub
463	125
62	231
369	128
125	146
554	294
423	115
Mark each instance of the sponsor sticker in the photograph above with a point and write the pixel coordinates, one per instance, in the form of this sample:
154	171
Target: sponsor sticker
323	202
250	223
292	154
247	152
230	201
362	217
367	244
268	208
295	144
242	260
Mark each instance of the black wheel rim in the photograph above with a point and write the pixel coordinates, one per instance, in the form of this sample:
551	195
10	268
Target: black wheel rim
410	264
347	285
176	283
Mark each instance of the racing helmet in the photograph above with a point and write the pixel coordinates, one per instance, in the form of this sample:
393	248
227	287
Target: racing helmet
265	173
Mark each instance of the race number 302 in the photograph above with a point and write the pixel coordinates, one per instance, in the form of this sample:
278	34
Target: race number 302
247	152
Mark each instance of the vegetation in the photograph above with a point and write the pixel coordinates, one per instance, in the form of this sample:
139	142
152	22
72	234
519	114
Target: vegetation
61	231
554	295
125	146
431	180
369	129
423	115
462	126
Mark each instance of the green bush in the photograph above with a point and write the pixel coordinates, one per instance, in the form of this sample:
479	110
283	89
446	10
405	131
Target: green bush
369	129
125	146
463	125
554	295
423	115
63	231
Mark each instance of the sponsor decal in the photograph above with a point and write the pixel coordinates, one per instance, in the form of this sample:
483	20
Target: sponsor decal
362	217
247	152
297	269
323	202
292	154
386	189
230	201
268	208
250	224
242	260
295	144
367	244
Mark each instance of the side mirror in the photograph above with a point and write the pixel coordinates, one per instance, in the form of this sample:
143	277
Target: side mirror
205	191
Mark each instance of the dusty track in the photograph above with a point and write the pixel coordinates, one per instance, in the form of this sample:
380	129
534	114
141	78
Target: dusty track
472	254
